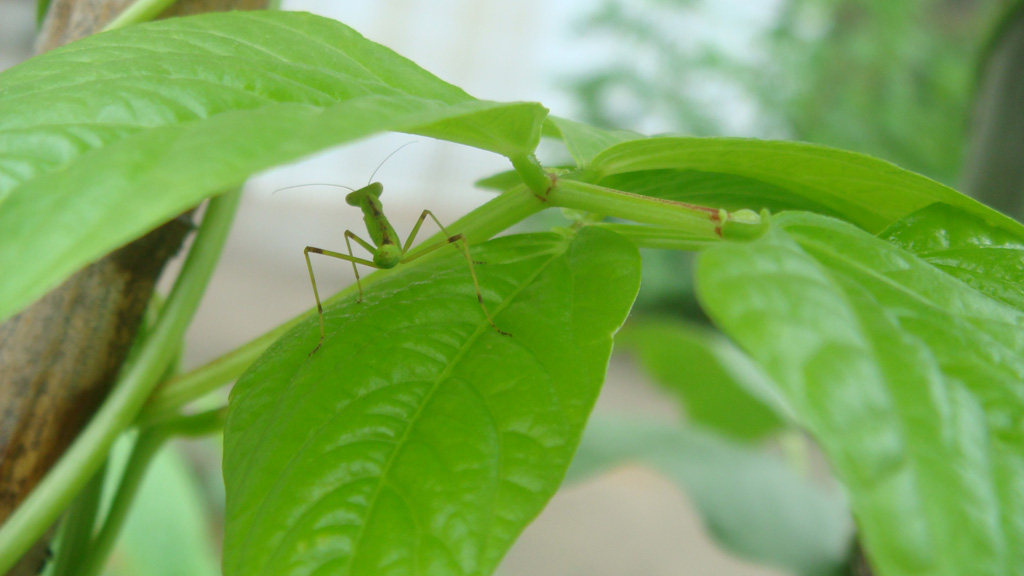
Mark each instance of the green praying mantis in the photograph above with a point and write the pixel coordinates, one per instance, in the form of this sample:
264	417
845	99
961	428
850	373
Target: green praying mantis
386	247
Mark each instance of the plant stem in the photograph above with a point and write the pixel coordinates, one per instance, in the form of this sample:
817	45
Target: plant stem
84	457
146	446
532	173
139	11
494	217
698	221
91	559
42	7
76	529
659	237
197	425
180	390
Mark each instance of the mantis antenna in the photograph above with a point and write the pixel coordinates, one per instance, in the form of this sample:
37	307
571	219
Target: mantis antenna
386	158
318	184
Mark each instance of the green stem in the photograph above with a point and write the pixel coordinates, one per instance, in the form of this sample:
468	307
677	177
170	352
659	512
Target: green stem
196	425
698	221
42	7
494	217
533	174
659	237
89	450
146	447
182	389
139	11
76	529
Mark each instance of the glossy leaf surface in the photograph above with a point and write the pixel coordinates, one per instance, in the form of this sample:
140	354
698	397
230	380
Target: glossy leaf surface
910	379
418	440
982	256
108	137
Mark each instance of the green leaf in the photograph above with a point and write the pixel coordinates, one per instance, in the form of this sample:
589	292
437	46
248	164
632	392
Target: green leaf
418	440
584	142
106	138
984	257
909	378
751	503
866	191
717	385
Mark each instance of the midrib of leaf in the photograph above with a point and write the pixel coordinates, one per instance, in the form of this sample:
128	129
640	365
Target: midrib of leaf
400	443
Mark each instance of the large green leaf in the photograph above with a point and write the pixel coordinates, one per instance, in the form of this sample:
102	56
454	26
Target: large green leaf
866	191
418	440
717	385
750	501
910	379
104	139
986	258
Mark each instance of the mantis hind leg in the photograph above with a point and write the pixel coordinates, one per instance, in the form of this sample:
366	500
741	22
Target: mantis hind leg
462	247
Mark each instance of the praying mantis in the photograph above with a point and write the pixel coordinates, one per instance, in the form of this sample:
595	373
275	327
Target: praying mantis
386	247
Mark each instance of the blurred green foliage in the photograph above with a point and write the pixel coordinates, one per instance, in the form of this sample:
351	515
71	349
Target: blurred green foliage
890	78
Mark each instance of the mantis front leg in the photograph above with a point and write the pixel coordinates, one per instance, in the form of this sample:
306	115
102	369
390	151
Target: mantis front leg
348	258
